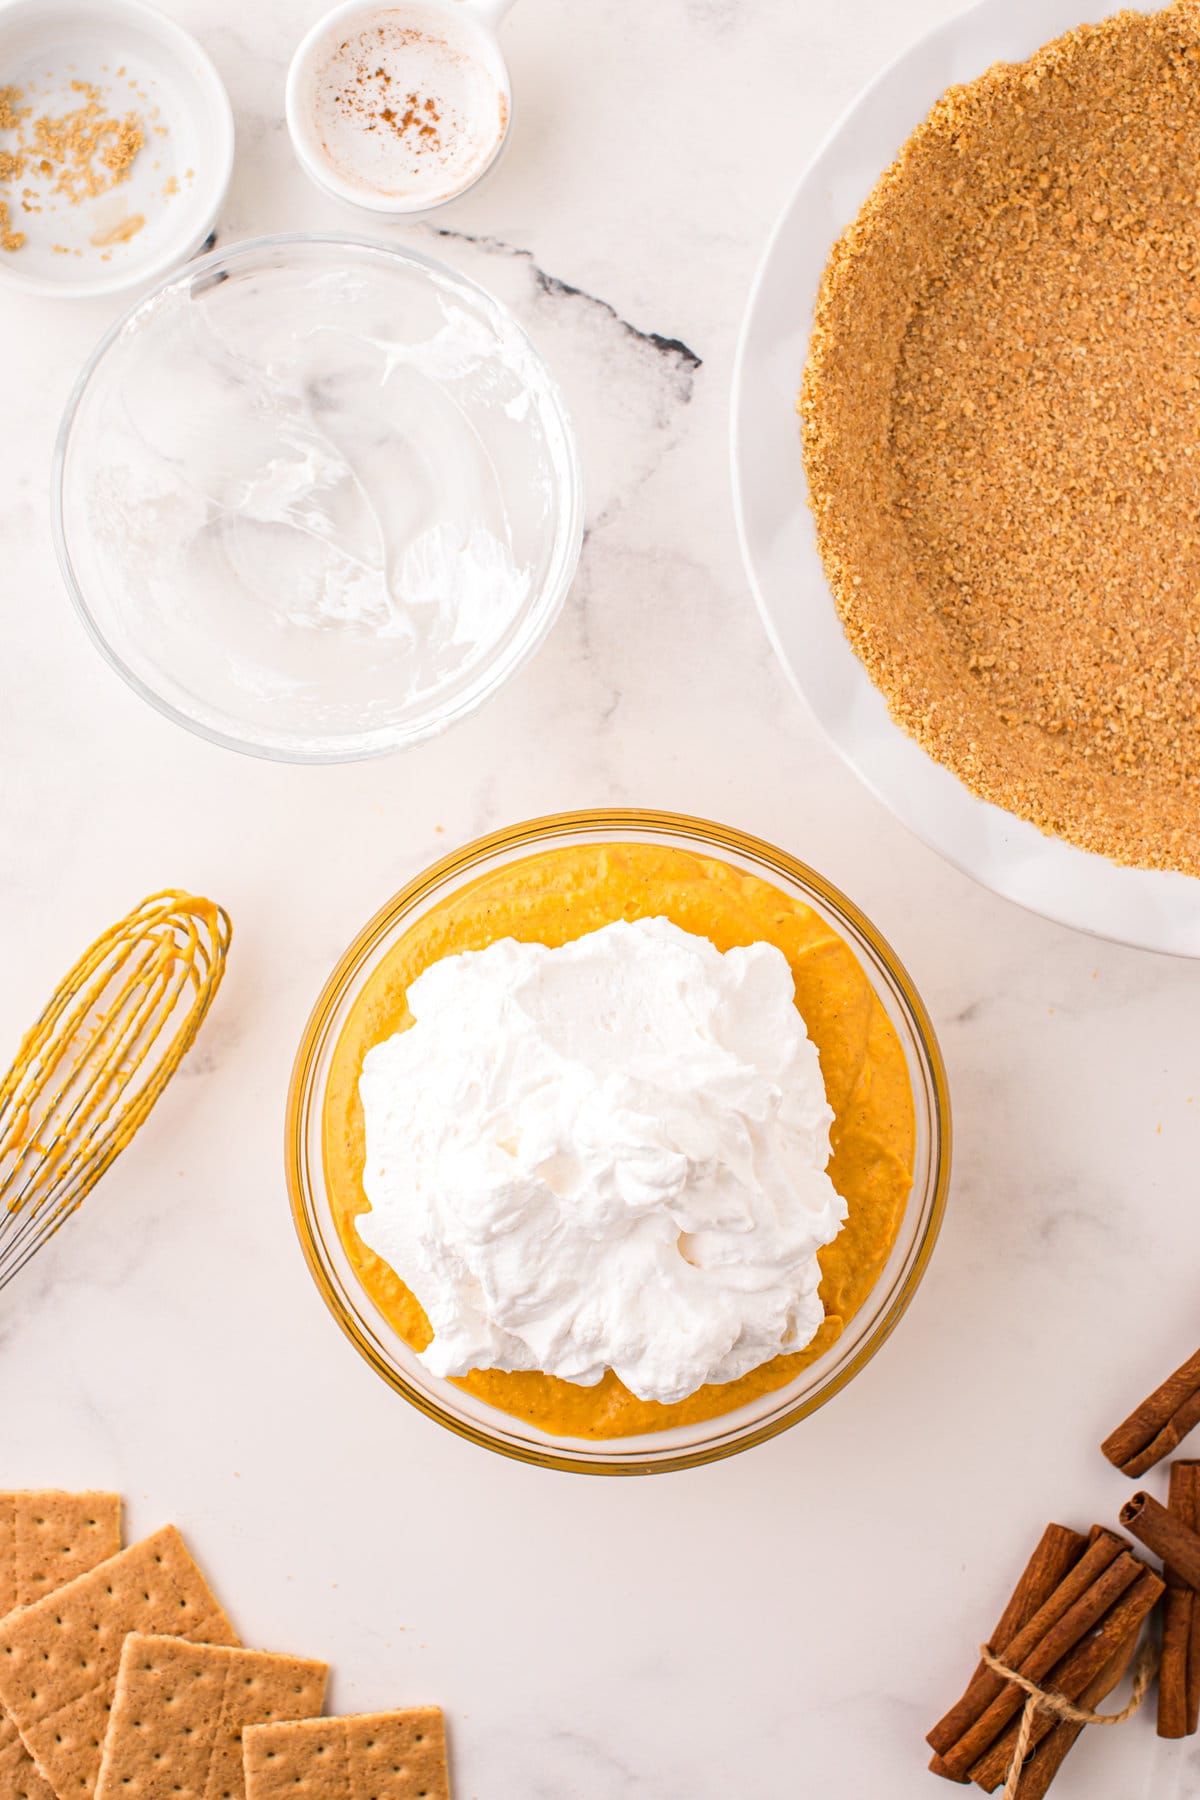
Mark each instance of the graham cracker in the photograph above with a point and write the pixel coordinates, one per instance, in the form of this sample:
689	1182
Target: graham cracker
386	1756
47	1538
59	1657
180	1709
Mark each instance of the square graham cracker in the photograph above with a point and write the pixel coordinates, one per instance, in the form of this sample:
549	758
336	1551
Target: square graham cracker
372	1756
59	1657
179	1711
46	1539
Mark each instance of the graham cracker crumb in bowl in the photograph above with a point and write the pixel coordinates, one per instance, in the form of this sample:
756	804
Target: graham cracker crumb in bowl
10	238
1001	416
75	156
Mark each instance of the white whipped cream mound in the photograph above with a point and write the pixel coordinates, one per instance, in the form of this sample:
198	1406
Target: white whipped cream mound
609	1155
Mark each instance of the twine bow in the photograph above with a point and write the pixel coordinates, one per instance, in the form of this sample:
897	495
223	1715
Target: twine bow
1059	1707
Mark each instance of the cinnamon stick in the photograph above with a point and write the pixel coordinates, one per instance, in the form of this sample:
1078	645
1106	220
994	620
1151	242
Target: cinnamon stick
1159	1424
1043	1765
1172	1668
1179	1668
1058	1550
1193	1674
1075	1673
1168	1537
1096	1583
1177	1619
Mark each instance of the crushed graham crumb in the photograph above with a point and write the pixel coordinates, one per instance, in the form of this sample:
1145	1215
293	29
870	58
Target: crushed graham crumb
78	155
85	151
10	238
1001	415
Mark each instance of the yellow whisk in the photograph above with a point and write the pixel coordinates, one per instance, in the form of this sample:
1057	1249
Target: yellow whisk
105	1047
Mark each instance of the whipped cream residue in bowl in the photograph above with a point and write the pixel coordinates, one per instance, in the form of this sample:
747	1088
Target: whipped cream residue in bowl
317	498
610	1154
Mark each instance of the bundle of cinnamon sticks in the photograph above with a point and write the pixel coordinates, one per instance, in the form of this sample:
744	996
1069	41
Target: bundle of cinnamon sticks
1071	1626
1073	1623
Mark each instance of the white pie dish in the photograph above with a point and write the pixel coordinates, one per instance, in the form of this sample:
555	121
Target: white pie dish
1147	908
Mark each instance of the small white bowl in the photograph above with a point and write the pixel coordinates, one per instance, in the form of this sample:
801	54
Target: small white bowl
468	27
143	63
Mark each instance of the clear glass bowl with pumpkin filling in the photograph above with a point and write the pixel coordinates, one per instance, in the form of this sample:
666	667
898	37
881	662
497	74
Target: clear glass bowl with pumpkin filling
550	881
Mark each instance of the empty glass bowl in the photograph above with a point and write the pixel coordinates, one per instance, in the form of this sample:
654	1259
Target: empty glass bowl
315	498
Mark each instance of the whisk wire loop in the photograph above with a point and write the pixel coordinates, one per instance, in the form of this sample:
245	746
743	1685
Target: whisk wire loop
96	1061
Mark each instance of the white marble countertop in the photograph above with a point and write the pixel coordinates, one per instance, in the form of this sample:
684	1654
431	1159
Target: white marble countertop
785	1623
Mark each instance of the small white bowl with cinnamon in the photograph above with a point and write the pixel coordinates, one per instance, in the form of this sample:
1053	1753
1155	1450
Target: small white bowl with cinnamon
398	109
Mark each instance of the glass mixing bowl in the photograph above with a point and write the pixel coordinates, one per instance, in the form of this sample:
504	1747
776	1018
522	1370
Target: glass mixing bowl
654	1452
315	498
